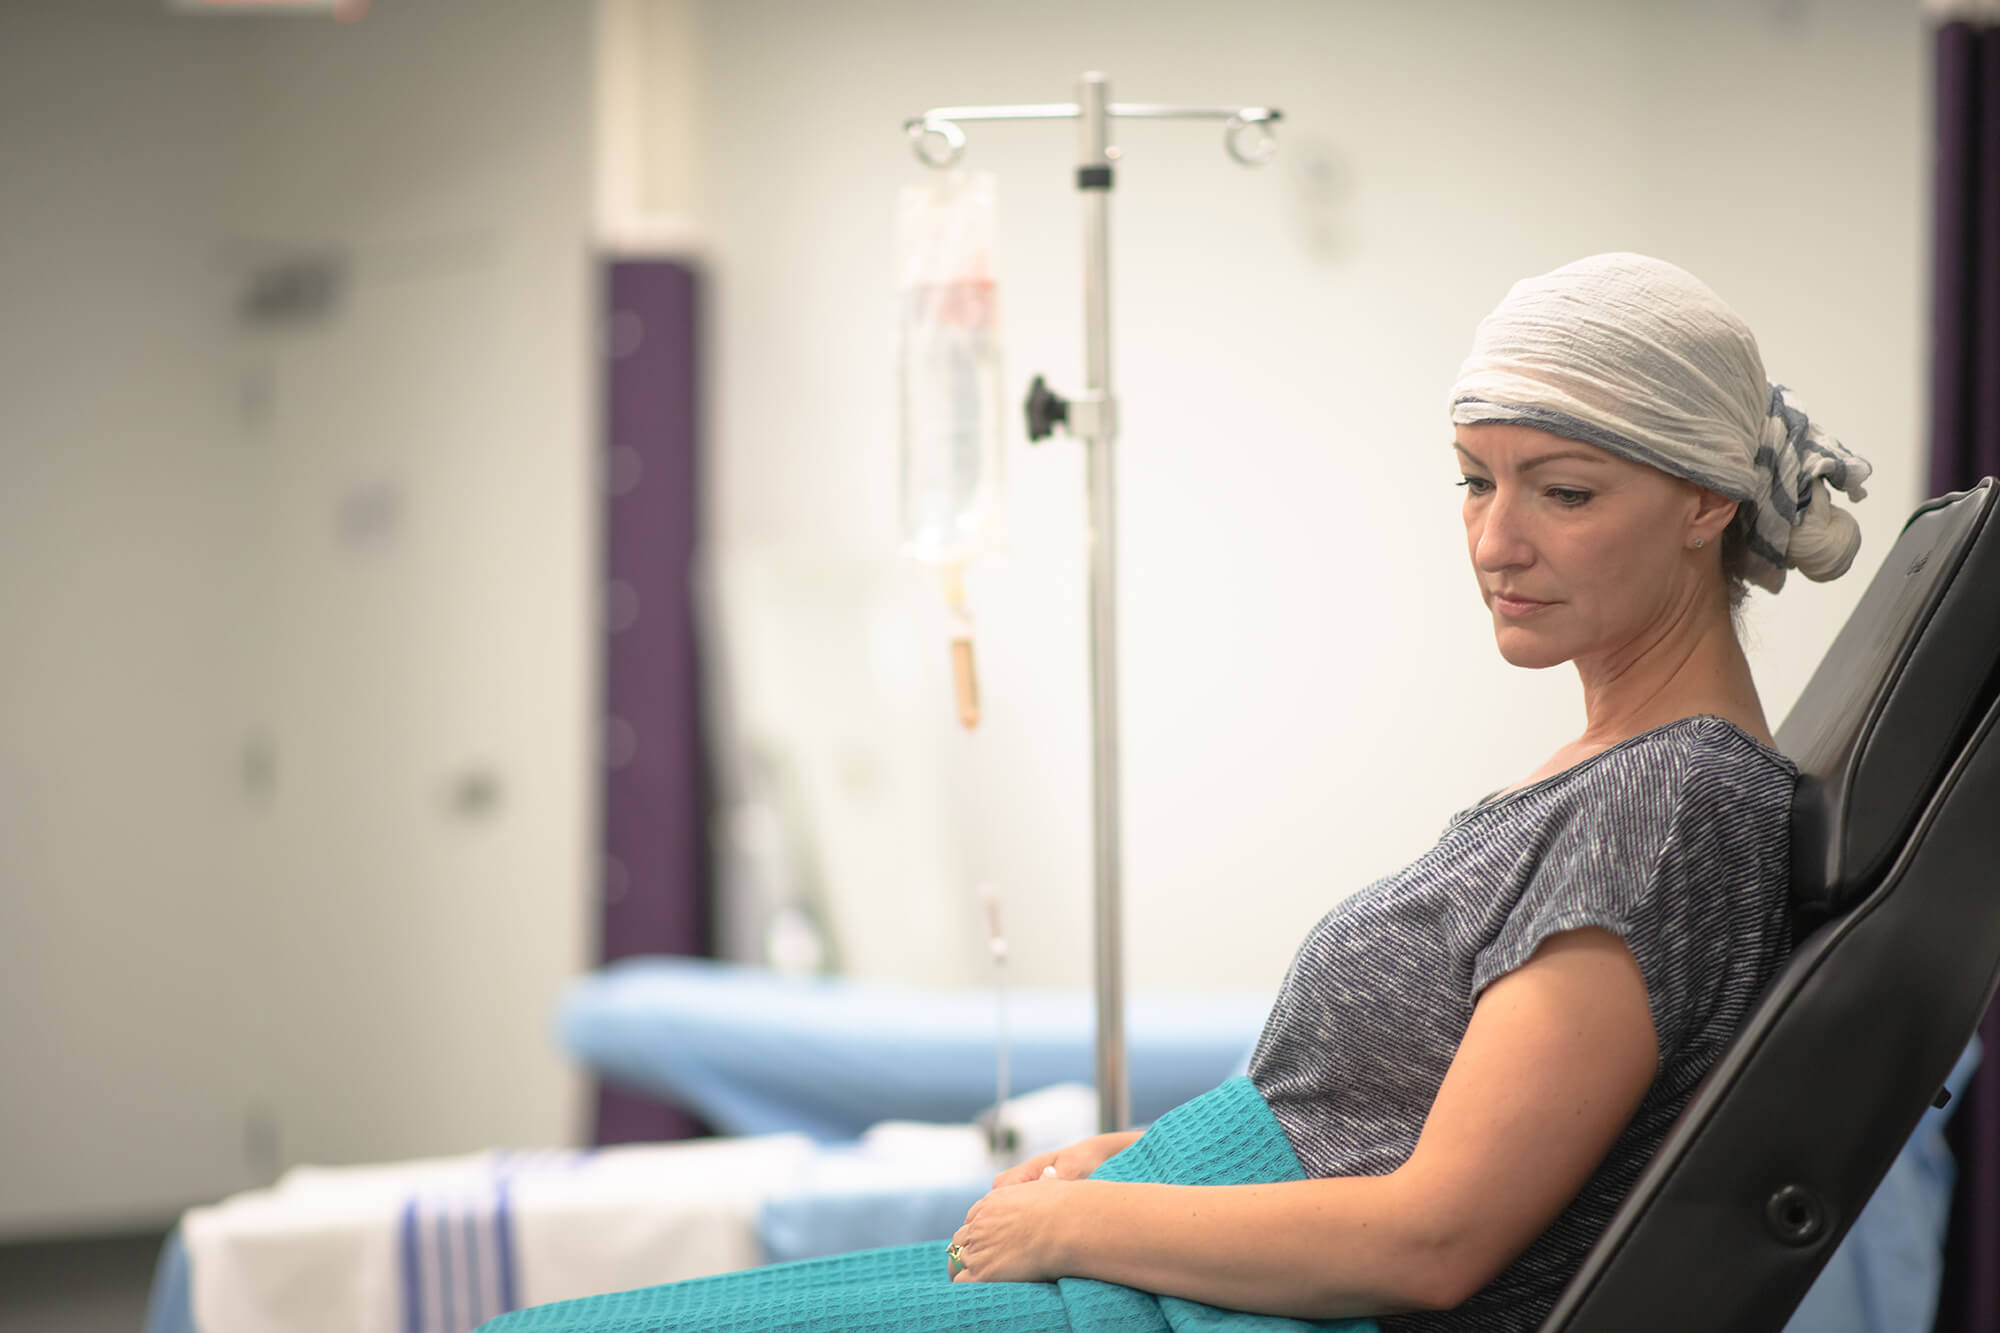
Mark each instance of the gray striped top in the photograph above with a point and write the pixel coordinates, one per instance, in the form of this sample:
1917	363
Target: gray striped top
1675	840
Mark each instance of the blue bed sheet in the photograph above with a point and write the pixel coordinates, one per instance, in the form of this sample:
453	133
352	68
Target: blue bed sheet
755	1053
813	1225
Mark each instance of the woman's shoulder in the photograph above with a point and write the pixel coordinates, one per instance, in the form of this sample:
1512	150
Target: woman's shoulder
1696	757
1705	744
1699	778
1706	757
1703	760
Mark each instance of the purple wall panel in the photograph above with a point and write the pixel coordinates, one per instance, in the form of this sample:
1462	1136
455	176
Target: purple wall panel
655	867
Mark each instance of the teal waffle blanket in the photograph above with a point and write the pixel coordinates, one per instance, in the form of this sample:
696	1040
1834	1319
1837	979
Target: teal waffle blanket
1224	1137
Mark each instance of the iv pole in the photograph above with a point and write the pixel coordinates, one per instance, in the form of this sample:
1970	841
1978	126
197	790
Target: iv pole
1091	416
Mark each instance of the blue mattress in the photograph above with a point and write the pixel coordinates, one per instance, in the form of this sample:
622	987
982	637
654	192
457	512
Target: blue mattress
755	1053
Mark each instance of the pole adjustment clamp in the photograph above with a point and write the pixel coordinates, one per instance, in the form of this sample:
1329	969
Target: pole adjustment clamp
1091	416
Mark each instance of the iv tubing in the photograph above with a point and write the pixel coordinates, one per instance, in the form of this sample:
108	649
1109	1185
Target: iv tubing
1002	1144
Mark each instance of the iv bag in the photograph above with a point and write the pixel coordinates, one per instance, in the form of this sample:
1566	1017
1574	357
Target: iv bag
949	370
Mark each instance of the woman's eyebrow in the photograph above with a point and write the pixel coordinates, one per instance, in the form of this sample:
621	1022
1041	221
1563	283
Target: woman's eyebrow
1529	465
1562	455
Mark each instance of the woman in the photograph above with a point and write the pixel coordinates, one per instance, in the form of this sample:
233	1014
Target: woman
1470	1060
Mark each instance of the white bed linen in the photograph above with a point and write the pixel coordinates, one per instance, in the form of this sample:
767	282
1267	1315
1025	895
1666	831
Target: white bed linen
428	1246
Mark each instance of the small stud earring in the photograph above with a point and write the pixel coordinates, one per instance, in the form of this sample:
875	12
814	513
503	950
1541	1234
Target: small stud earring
1700	542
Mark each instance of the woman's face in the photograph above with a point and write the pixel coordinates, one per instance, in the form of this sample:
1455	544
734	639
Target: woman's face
1580	555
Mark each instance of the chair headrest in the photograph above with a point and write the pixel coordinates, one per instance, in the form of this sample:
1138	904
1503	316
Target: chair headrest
1913	668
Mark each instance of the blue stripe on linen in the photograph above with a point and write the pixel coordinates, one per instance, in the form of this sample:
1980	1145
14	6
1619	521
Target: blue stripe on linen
413	1320
447	1313
476	1313
503	1242
455	1246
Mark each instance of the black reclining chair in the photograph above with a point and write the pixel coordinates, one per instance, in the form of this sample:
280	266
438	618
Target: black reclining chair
1896	882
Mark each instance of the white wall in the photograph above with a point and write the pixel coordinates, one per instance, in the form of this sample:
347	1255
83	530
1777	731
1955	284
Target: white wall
203	977
124	544
1309	686
411	954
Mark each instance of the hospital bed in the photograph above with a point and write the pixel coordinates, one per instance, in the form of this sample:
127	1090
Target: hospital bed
839	1098
755	1053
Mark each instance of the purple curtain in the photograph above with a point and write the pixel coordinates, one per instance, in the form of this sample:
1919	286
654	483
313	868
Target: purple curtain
655	865
1965	446
1965	345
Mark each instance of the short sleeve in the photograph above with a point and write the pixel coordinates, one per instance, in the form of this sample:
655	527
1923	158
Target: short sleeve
1674	849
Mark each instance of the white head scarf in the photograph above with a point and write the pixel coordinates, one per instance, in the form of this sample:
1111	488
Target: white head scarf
1640	358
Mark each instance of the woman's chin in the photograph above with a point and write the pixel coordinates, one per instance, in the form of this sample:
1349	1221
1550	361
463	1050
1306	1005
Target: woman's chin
1529	651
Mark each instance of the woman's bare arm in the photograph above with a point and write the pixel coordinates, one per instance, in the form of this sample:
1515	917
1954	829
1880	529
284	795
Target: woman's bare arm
1558	1056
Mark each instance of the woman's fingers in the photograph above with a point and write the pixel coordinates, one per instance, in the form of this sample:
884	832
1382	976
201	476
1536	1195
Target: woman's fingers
1005	1236
1032	1169
1072	1163
954	1257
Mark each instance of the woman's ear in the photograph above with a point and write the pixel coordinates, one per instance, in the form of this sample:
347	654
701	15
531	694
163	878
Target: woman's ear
1713	513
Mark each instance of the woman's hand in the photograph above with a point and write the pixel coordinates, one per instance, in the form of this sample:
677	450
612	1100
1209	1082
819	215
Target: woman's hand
1015	1234
1071	1163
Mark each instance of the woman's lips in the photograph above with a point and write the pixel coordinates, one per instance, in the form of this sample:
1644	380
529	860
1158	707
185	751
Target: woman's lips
1516	608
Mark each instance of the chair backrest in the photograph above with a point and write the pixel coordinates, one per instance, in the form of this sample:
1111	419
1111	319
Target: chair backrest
1896	879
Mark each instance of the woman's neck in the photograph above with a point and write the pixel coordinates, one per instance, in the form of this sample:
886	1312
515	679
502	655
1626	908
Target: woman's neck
1689	665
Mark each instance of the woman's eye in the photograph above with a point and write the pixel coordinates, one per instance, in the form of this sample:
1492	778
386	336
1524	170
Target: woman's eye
1568	496
1476	485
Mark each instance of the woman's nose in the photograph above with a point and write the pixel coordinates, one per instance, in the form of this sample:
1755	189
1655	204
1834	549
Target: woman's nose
1501	542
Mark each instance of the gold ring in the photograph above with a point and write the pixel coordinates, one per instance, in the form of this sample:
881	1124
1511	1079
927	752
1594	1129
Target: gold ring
954	1254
